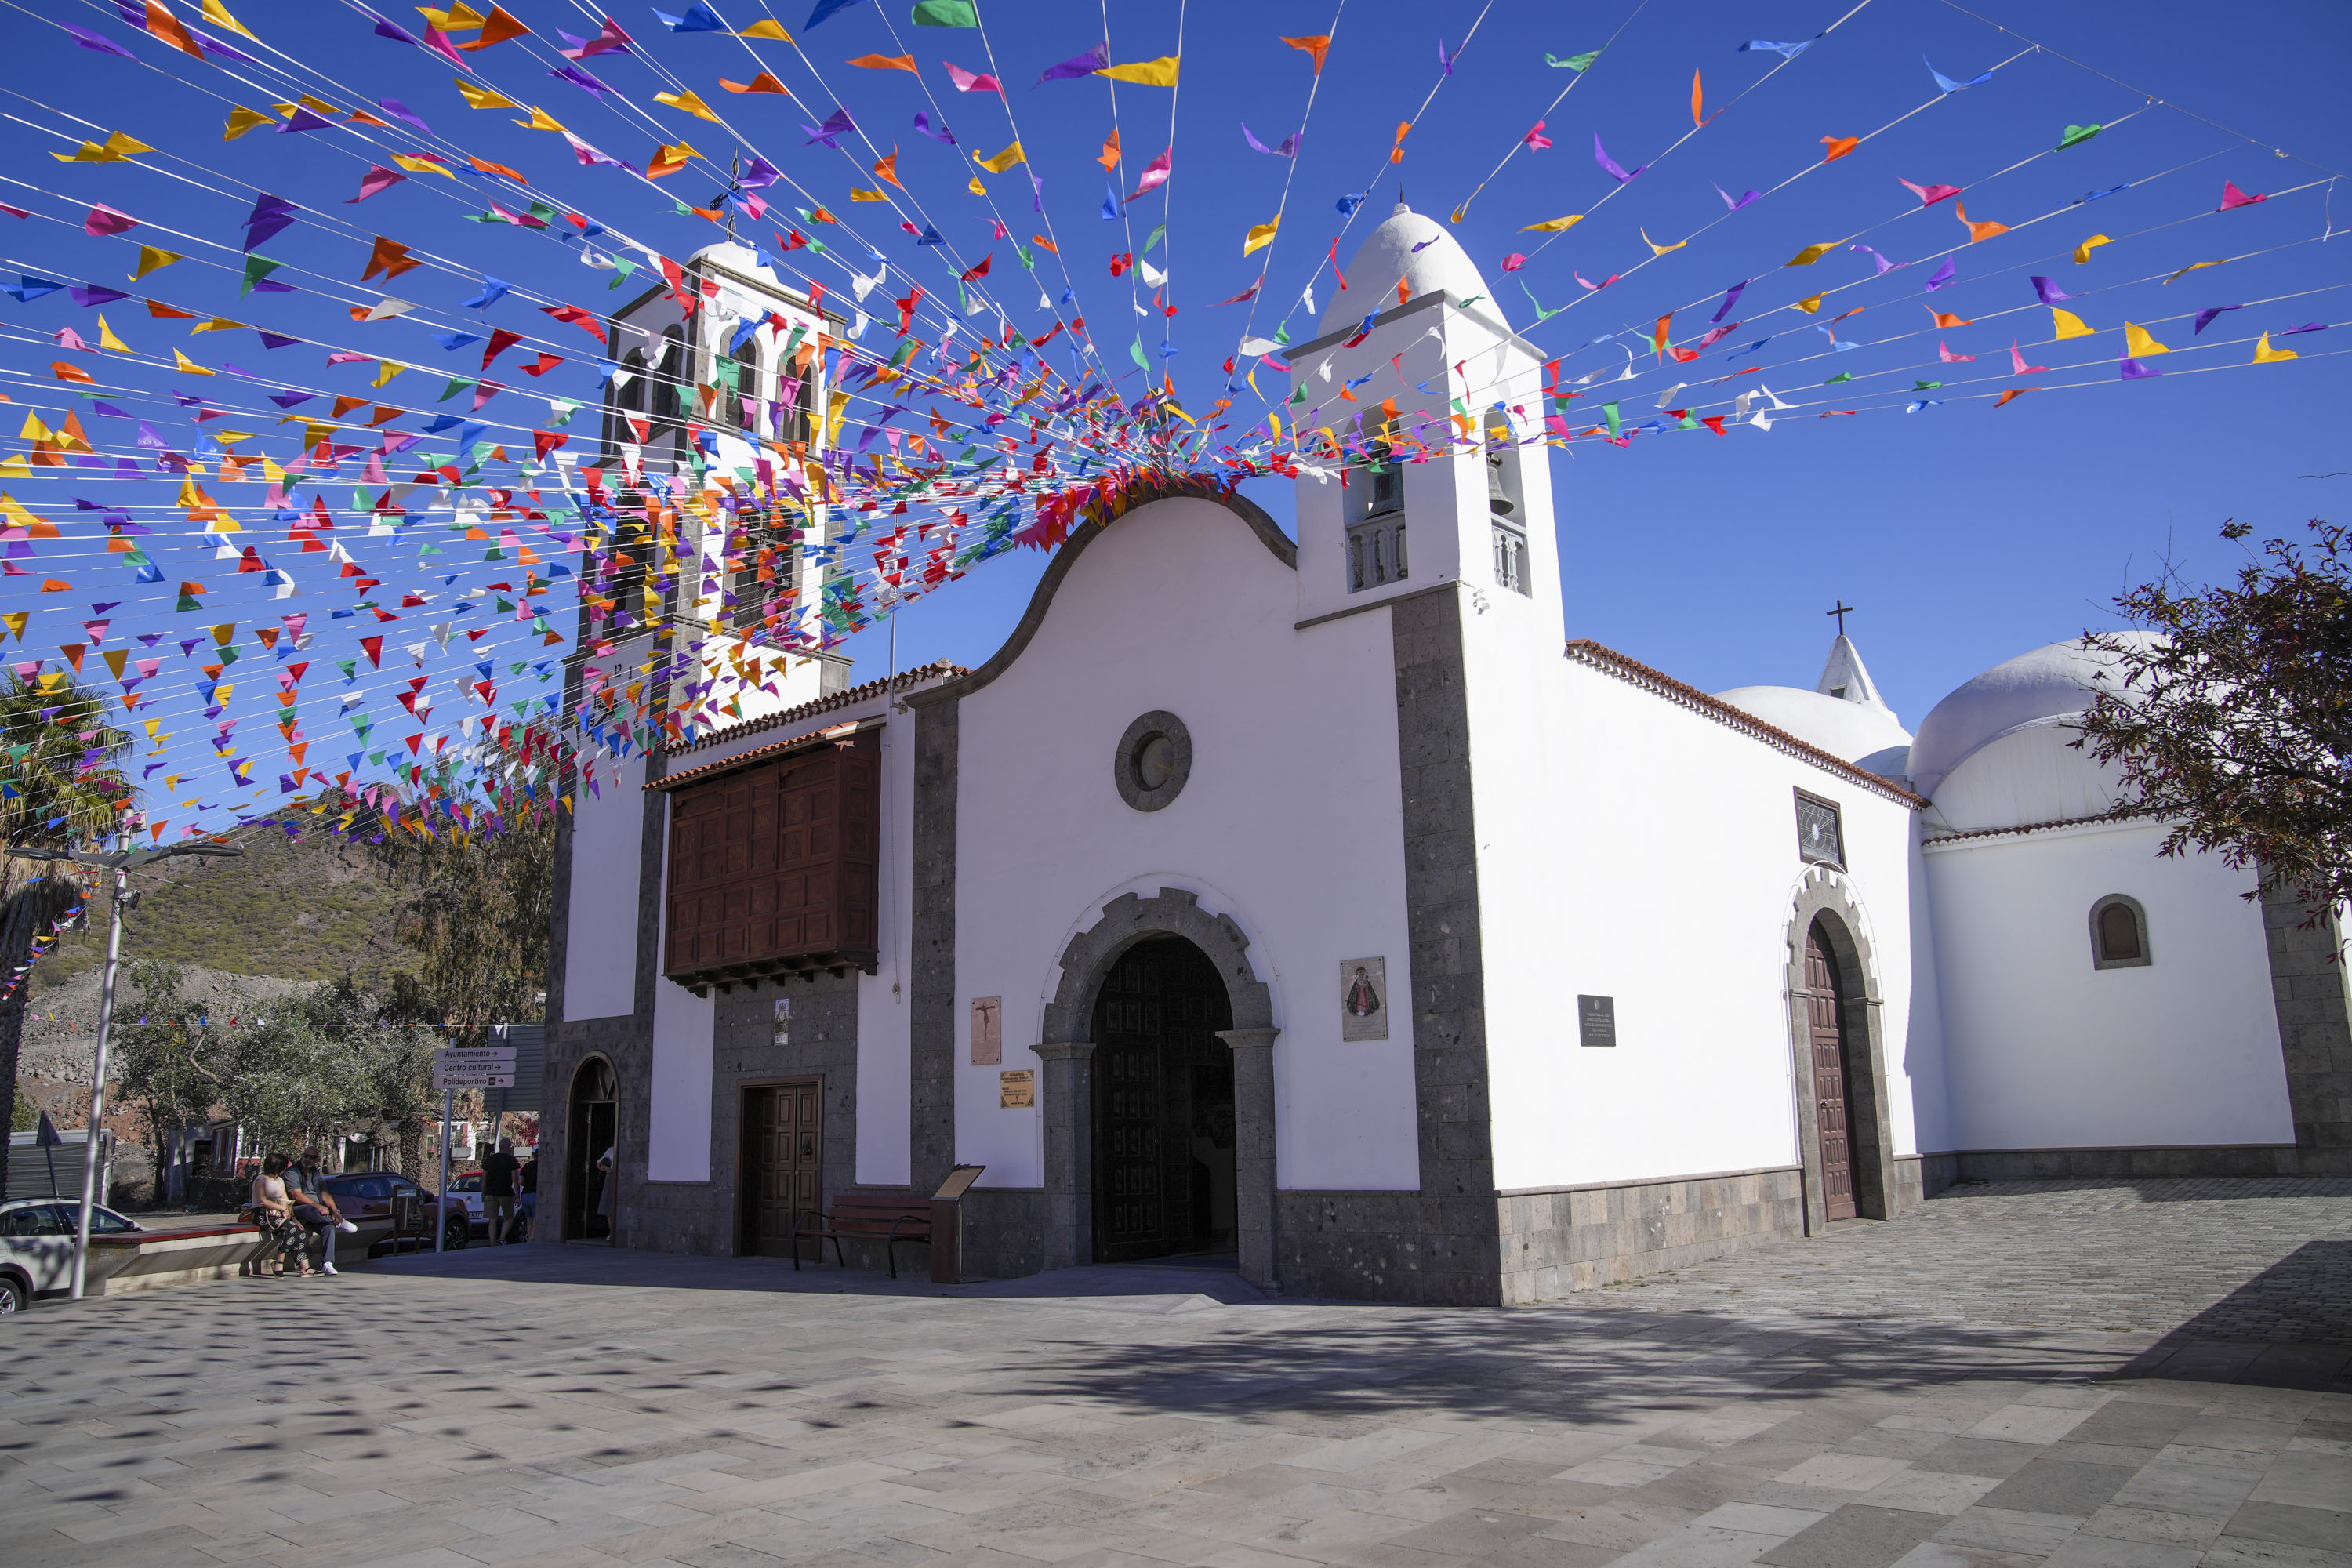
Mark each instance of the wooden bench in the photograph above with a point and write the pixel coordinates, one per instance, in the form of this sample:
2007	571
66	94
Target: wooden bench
888	1220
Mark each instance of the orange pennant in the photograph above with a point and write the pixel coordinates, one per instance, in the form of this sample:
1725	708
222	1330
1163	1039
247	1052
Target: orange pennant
497	29
886	63
764	82
1977	231
887	169
1316	48
1109	159
1698	99
162	23
1838	146
1943	320
389	258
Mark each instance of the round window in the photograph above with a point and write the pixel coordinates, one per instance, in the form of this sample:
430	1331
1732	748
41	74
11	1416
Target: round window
1155	757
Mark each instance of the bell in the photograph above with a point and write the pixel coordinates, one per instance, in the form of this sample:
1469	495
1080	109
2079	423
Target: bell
1496	501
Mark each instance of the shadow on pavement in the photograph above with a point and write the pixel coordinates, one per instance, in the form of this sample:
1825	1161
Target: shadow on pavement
2288	1327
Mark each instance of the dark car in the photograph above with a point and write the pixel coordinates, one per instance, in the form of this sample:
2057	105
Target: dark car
366	1198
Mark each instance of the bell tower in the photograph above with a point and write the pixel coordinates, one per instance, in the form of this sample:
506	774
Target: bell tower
1421	440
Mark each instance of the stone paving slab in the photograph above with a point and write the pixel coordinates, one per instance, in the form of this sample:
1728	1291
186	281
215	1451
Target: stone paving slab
2136	1376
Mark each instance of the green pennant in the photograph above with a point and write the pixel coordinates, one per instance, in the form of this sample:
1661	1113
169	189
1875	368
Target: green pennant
2076	135
256	268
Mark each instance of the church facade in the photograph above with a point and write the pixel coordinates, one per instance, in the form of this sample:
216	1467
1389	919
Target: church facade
1320	903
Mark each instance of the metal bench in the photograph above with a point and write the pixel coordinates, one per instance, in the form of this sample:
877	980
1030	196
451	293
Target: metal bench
888	1220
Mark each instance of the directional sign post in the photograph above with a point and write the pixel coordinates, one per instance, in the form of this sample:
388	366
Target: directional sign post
473	1067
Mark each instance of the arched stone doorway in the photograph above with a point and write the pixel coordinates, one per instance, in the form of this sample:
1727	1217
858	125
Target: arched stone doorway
1163	1116
1203	945
1844	1127
592	1127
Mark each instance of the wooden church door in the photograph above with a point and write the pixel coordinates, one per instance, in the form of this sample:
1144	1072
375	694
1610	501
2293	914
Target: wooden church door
1830	1101
783	1147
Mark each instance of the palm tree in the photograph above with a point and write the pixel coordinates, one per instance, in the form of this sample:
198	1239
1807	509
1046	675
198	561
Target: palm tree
59	787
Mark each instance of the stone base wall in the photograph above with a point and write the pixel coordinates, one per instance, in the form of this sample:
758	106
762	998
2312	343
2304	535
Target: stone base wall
1911	1182
1406	1248
1003	1232
1579	1238
2308	975
2110	1164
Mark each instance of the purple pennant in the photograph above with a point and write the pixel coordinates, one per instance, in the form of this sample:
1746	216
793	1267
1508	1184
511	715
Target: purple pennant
304	119
761	174
270	215
276	339
1731	298
1736	205
385	29
923	124
1076	66
1289	147
2205	317
89	40
2306	327
403	113
837	125
2134	371
214	46
2048	292
1609	165
89	294
581	80
1944	275
1885	265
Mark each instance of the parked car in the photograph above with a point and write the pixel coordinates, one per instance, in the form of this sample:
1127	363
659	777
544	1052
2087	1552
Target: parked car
366	1198
465	1187
37	1238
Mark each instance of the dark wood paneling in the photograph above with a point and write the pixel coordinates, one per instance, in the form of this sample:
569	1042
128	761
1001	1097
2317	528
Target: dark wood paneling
774	867
1826	1015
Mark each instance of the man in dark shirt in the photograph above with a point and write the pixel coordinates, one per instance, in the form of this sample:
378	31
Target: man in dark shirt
498	1189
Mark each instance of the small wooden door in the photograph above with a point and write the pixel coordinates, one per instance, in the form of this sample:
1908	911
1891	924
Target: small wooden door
783	1159
1131	1216
1832	1103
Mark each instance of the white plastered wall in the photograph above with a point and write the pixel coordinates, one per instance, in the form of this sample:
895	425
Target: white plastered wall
2049	1051
1289	823
599	946
1634	849
678	1120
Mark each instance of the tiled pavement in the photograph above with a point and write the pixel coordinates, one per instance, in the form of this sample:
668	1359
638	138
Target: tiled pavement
2151	1375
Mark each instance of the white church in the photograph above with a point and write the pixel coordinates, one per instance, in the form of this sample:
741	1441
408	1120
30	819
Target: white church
1374	933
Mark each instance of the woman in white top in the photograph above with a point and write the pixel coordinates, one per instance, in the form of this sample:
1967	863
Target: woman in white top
274	1208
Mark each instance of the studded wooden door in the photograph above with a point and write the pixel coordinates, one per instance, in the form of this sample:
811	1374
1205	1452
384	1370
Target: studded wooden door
784	1139
1831	1100
1131	1207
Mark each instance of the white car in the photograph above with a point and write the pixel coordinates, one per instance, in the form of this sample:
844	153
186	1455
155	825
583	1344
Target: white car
37	1238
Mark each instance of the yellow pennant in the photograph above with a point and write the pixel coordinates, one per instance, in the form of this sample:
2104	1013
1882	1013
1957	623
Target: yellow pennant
1554	224
1812	254
107	340
2082	251
217	13
242	120
483	96
1160	72
189	366
1261	236
2066	325
1812	306
539	121
2138	344
152	259
1003	161
772	30
421	167
2263	354
688	102
1656	249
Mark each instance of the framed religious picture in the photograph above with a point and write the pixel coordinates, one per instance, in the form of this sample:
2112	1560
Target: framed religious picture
783	1020
987	1031
1364	999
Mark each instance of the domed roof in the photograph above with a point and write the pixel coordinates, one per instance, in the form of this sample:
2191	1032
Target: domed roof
1864	734
1389	255
2050	682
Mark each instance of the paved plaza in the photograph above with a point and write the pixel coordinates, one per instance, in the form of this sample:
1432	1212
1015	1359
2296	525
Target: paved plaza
2145	1375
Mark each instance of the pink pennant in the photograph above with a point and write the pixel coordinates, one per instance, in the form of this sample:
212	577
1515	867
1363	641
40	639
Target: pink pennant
1928	194
972	81
2017	360
1155	174
2234	197
1945	354
1536	140
104	220
378	178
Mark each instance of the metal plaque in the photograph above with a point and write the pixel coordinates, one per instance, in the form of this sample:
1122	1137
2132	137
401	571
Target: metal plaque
1596	1021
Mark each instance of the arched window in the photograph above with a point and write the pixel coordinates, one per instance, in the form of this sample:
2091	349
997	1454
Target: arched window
747	385
2118	933
1507	514
667	371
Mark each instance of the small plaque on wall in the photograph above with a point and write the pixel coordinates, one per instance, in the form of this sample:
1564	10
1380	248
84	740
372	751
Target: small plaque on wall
987	1031
1596	1021
1016	1090
1364	999
783	1020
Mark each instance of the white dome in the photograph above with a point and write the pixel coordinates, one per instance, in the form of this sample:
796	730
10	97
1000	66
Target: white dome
1388	254
1863	734
2050	682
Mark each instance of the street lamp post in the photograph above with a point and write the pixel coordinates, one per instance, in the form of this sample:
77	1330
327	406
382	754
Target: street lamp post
121	862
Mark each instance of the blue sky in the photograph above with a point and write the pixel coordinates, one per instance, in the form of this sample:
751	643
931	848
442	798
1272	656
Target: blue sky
1965	534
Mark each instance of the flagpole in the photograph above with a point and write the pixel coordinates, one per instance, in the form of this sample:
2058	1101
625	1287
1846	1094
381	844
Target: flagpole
98	1069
